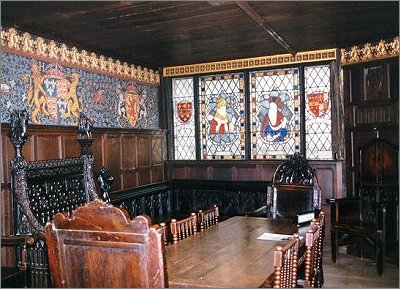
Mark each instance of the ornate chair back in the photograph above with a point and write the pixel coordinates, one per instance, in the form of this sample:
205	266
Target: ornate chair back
99	247
294	189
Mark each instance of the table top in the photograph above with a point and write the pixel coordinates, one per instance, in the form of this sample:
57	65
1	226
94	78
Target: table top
227	255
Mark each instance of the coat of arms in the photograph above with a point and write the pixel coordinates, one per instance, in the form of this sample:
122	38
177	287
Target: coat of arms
184	110
318	103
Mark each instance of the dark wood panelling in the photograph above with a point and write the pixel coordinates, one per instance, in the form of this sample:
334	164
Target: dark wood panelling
71	147
158	150
129	160
144	147
329	173
130	179
144	176
157	174
98	151
371	95
247	174
44	147
113	148
113	157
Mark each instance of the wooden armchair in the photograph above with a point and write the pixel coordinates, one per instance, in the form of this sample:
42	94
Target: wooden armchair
181	229
370	220
294	190
43	188
208	218
97	246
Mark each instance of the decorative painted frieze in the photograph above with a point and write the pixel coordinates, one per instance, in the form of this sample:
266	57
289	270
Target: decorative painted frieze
249	63
370	52
15	41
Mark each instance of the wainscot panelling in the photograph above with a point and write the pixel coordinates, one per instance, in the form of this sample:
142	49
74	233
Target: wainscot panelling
115	148
329	173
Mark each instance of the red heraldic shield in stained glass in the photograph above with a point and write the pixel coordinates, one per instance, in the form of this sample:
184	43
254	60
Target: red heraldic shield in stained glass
185	110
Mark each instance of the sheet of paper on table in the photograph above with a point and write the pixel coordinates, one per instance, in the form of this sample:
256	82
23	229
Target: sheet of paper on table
274	237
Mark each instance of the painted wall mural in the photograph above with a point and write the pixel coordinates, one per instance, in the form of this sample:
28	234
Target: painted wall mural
54	94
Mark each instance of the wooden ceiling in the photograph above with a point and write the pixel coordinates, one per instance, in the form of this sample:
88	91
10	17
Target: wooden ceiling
157	34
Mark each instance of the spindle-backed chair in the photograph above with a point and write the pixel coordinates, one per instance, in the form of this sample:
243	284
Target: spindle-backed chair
181	229
208	218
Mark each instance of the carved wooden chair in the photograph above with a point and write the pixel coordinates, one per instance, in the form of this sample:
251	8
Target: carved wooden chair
208	218
43	188
294	190
97	246
286	263
181	229
370	220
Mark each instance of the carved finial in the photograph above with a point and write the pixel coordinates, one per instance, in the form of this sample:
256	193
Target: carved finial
18	135
84	127
105	181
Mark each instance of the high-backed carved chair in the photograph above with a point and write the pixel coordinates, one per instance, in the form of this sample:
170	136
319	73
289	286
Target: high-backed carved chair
370	220
43	188
97	246
294	190
183	228
208	218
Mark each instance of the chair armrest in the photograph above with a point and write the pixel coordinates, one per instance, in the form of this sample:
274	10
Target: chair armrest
260	212
345	210
17	240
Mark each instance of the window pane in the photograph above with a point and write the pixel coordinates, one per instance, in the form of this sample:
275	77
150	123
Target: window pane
318	112
222	116
184	128
275	114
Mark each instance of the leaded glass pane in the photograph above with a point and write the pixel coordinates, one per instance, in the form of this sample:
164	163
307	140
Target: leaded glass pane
275	115
222	116
318	113
184	128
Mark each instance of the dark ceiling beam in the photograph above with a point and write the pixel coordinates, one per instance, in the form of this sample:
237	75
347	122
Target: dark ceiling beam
264	25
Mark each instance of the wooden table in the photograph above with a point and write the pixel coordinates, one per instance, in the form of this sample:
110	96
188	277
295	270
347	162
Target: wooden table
226	255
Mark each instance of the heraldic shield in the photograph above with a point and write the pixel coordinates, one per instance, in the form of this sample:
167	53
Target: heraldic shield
318	103
184	110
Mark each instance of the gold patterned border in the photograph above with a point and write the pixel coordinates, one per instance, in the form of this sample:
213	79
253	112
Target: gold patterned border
370	52
246	63
14	40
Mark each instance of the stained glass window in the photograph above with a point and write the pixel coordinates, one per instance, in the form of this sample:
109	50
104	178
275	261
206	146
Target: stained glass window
184	126
318	115
275	115
222	116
